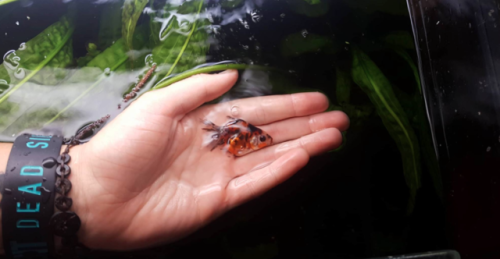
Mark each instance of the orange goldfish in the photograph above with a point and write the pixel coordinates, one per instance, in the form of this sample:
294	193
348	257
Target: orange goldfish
238	136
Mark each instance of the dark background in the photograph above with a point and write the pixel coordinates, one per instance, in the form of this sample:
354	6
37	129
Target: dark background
345	204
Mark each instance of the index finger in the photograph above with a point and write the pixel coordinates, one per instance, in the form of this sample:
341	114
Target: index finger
268	109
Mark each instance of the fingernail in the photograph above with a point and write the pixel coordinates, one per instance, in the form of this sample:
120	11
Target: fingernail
226	71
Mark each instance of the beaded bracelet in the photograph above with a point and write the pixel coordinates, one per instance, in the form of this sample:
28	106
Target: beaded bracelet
66	223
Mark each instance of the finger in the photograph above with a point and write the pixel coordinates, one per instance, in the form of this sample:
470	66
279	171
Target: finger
296	127
253	184
314	144
267	109
187	95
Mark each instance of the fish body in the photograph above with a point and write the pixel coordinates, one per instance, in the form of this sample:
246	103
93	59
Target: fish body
238	137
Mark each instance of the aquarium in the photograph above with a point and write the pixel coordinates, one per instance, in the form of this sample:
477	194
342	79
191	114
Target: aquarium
68	63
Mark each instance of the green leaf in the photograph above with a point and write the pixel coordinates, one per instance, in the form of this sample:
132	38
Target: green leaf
368	76
7	109
37	50
2	2
423	129
297	44
311	8
49	50
112	59
110	29
208	69
92	52
312	2
132	10
29	107
183	42
429	156
32	118
410	62
229	4
4	79
357	113
343	87
402	39
162	22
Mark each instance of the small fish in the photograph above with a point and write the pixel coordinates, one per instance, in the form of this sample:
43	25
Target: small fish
238	137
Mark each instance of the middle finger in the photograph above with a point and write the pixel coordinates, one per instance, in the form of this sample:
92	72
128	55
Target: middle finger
267	109
297	127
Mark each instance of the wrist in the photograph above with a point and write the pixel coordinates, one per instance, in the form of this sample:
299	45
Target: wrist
77	193
4	157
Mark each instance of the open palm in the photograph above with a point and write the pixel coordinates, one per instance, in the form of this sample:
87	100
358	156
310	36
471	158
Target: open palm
148	176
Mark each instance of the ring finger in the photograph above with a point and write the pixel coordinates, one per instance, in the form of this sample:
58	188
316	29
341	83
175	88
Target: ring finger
314	144
296	127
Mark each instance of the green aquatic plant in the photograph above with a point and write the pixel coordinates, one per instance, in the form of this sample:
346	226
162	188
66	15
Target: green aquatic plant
2	2
132	9
400	42
177	38
115	57
182	49
51	48
4	79
412	65
209	69
310	8
378	88
402	39
92	52
313	2
231	3
110	29
112	59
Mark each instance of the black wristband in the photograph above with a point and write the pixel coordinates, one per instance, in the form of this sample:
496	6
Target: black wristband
28	196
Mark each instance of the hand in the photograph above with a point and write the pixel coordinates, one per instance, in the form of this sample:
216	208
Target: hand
147	177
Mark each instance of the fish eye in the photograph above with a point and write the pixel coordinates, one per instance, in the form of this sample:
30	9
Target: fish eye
262	138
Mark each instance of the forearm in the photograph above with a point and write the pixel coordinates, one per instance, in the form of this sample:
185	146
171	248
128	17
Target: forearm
4	156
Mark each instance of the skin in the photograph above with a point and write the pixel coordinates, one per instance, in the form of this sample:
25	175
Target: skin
147	177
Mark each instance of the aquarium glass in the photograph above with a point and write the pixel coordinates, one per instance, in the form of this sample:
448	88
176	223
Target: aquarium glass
67	63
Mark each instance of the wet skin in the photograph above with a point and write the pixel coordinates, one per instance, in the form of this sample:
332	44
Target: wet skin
147	177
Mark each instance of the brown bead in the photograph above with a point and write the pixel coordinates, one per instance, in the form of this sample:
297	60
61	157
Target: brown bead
63	158
65	224
63	185
63	170
70	241
64	203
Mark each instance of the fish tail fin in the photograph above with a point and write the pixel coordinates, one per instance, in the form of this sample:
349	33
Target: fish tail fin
210	126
